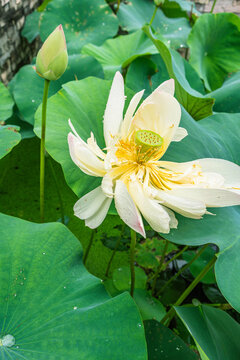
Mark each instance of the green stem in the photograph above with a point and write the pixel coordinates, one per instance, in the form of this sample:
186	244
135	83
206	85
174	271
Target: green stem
89	246
132	253
213	6
42	149
191	17
182	269
159	266
57	189
115	250
187	53
170	314
153	16
176	256
118	5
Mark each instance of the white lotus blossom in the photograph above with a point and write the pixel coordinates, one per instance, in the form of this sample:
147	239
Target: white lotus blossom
133	173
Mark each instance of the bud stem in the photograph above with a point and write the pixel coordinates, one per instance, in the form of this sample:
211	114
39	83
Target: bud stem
50	162
132	253
153	16
213	6
118	5
42	149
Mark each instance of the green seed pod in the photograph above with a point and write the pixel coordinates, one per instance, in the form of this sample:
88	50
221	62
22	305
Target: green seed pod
148	140
52	58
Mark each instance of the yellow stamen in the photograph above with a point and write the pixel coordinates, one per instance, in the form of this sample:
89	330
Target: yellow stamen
145	165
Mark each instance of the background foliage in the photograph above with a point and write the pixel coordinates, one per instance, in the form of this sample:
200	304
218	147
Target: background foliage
201	53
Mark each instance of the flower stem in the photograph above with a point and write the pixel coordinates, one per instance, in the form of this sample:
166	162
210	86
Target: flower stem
132	253
182	269
118	5
213	6
57	189
159	266
153	16
115	250
170	314
42	149
89	246
176	256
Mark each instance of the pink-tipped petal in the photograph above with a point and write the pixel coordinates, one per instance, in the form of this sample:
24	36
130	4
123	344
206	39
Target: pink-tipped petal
127	210
154	213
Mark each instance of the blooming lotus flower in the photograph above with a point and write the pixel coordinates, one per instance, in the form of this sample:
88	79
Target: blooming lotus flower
133	173
52	58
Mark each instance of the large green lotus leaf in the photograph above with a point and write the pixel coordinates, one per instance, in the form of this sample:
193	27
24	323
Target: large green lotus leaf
216	136
148	73
139	75
84	103
83	22
191	99
118	53
52	306
27	86
187	75
215	332
178	8
149	307
135	14
20	172
163	344
6	103
31	27
26	129
227	270
122	278
214	44
9	137
227	97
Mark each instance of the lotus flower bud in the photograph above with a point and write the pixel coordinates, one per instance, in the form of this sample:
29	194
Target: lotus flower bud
52	58
158	2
